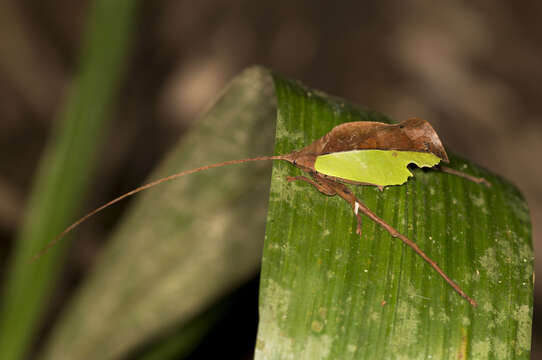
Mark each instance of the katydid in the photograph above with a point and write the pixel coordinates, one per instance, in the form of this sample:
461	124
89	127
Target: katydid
359	153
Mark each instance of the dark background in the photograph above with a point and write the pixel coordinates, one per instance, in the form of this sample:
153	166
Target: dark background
472	69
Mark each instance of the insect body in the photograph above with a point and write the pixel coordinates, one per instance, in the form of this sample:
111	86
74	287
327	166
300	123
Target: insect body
360	153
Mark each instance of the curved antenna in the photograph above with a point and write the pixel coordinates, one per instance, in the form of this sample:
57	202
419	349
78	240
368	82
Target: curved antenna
145	187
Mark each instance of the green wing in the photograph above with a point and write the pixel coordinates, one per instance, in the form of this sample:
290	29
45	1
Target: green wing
378	167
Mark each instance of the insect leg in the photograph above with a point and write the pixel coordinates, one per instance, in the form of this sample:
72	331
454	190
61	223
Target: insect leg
323	188
347	195
478	180
332	187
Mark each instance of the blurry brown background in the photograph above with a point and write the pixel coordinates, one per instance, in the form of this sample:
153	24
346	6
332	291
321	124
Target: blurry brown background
472	70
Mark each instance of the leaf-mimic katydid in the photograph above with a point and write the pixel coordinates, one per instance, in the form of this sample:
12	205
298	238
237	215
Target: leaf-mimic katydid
359	153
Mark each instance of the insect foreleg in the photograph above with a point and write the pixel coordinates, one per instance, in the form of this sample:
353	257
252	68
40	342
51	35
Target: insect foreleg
322	187
331	187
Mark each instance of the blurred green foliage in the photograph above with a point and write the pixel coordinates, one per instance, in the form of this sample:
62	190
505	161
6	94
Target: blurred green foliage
62	178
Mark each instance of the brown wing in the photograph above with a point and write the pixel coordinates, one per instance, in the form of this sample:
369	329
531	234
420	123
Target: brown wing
410	135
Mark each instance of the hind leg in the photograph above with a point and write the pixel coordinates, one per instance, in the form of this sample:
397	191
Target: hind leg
478	180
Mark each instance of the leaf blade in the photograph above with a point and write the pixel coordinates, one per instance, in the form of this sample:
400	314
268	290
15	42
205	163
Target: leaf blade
327	293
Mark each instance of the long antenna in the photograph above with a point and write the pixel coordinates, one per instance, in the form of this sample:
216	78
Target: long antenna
145	187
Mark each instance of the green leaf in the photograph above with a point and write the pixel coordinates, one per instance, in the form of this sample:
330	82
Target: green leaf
63	175
378	167
327	293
